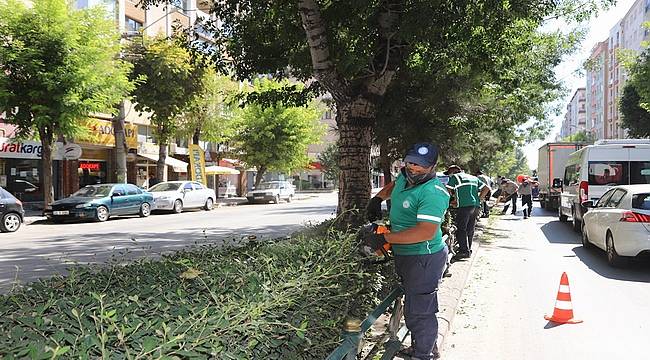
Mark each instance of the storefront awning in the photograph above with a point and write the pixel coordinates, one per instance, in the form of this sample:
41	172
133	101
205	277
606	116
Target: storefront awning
220	170
175	164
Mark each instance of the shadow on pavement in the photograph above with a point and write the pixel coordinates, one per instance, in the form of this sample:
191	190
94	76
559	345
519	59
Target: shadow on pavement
26	264
557	232
596	260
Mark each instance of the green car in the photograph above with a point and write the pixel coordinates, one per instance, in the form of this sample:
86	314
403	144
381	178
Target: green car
100	202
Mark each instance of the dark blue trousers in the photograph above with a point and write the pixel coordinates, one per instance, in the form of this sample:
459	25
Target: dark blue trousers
421	276
465	224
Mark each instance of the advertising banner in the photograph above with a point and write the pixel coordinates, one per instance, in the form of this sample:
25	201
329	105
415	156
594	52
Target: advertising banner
26	149
197	164
101	132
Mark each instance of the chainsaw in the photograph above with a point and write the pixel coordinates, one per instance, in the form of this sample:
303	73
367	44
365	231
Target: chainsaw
383	254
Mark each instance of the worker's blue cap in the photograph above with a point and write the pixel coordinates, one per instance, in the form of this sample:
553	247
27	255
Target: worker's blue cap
423	154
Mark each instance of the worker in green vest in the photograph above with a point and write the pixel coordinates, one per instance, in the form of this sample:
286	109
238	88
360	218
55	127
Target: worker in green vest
468	191
419	203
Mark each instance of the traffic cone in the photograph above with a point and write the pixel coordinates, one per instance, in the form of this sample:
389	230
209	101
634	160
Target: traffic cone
563	312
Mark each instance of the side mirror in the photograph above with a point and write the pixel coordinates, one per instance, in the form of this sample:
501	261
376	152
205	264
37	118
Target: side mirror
588	204
557	183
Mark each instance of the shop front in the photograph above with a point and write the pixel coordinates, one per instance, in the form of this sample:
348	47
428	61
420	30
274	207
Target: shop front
21	166
147	162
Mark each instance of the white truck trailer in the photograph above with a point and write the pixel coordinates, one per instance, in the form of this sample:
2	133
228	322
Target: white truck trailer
550	171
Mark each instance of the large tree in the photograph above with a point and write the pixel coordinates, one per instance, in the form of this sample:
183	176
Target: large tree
275	137
636	118
167	80
356	49
58	65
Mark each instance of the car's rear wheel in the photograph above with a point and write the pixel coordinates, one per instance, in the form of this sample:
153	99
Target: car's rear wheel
209	204
613	258
576	222
585	238
145	210
10	222
290	198
178	206
101	214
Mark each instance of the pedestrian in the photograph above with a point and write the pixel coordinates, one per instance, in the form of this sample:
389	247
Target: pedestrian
468	191
419	202
488	183
526	192
509	193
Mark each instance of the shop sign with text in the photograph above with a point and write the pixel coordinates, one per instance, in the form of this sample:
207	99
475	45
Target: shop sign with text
26	149
101	132
197	164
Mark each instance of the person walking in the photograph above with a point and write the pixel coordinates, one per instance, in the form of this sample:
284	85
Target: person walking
526	192
419	203
509	193
468	191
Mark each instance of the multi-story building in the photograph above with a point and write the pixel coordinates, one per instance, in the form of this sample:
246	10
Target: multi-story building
614	86
575	118
597	90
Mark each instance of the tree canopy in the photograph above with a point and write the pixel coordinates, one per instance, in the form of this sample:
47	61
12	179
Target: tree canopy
276	137
58	65
167	79
635	101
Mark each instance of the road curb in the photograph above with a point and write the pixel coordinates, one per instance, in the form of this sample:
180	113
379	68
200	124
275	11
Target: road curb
451	290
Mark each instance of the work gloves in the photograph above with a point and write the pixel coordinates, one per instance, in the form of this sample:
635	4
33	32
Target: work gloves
373	210
374	241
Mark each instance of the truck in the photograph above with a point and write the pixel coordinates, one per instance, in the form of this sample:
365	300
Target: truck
552	157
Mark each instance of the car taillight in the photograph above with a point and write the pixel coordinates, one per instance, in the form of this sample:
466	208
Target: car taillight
19	202
584	191
631	216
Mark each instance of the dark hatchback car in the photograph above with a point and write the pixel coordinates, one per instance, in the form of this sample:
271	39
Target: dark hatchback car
11	212
100	202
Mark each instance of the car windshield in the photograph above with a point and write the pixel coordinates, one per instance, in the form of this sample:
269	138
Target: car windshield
641	201
165	187
94	191
264	186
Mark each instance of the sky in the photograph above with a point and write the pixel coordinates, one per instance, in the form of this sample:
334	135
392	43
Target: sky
599	27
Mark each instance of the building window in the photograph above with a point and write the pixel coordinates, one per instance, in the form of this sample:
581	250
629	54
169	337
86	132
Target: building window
132	24
145	134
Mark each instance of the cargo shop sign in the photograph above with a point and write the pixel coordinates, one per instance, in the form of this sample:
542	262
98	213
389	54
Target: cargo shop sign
27	149
101	132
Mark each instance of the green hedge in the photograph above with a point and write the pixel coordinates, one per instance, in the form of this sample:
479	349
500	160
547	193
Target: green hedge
273	300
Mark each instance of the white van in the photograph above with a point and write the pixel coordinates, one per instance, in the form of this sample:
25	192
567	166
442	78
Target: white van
592	170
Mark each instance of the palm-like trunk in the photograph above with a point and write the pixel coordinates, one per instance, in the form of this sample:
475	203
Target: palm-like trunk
355	103
46	169
120	145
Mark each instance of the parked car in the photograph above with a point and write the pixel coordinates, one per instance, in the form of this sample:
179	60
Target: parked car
11	212
102	201
179	195
272	191
619	223
594	169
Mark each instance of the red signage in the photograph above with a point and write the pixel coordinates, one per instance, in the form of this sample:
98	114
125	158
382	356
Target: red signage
92	166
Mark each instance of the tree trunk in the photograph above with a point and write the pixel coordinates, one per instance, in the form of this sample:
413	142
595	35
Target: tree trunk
196	136
258	177
160	165
354	143
385	162
46	169
120	145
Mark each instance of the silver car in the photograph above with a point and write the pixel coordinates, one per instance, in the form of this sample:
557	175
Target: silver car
178	195
272	191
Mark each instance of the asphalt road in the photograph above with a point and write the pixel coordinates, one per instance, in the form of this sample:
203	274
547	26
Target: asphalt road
42	249
514	283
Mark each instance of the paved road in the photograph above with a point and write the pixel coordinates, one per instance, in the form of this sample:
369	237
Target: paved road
42	249
514	283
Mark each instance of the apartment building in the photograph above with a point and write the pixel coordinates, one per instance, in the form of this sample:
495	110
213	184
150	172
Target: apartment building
606	74
597	90
575	118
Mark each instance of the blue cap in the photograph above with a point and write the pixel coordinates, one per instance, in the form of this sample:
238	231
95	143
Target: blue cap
423	154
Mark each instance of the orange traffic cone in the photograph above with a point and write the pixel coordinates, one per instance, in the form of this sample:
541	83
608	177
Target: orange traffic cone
563	312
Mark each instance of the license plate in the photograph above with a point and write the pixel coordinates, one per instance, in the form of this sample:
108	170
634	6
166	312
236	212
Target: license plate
66	212
258	197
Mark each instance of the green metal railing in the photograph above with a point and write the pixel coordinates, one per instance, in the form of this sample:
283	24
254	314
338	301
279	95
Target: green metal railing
353	330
